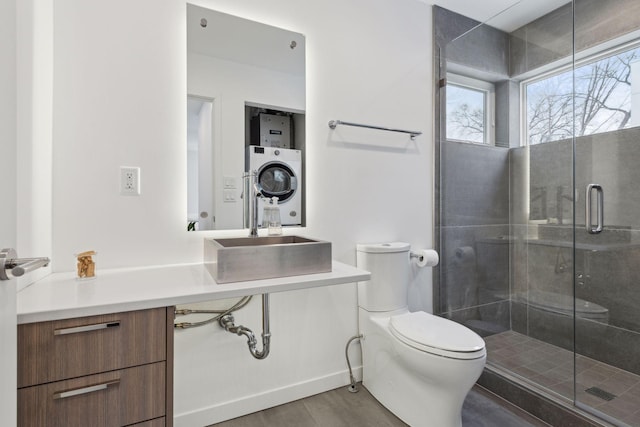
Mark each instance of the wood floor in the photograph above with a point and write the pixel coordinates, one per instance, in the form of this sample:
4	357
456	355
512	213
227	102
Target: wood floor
337	408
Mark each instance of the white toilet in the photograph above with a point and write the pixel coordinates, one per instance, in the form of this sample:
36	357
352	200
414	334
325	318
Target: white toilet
419	366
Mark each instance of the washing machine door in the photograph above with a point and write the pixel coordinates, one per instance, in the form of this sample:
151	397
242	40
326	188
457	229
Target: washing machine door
277	179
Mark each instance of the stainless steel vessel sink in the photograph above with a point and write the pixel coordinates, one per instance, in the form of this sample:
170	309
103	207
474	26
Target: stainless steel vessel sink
254	258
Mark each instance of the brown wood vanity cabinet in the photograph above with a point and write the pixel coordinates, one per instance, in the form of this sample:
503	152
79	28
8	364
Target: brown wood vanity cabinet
109	370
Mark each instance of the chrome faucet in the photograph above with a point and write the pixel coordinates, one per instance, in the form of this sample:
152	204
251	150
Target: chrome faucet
254	192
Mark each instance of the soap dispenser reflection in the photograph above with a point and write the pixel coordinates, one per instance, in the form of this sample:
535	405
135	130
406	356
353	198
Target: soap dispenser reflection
271	218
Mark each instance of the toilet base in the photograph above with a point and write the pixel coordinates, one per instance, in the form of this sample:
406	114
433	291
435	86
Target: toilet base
421	389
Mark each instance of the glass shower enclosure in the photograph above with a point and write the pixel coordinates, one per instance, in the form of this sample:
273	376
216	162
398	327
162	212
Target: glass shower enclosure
538	207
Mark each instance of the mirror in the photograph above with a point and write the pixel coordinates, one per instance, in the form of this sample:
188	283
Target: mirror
245	111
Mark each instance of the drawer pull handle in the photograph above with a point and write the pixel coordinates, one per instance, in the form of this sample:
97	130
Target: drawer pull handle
84	390
86	328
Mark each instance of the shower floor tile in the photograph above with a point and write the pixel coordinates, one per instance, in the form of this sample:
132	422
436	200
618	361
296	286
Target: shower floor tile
552	368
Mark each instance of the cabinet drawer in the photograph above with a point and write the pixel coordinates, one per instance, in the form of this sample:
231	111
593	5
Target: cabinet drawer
63	349
158	422
112	399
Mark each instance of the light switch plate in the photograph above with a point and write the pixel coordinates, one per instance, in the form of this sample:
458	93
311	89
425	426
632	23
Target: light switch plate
229	182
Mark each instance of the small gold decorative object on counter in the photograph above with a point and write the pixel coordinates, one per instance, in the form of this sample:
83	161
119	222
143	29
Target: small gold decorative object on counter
86	265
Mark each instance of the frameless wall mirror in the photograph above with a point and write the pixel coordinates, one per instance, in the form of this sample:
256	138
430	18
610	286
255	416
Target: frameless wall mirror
245	112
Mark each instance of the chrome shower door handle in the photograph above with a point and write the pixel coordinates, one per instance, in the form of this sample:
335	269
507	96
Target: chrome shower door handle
599	209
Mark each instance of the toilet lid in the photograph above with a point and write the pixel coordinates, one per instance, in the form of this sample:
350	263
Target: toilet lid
437	335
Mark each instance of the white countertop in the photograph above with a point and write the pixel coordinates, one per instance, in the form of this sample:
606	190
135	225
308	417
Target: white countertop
61	295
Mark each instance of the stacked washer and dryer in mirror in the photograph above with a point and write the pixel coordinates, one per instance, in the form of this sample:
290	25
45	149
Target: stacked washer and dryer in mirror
278	167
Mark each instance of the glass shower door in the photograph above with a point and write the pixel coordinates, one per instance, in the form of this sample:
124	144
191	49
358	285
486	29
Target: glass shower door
506	188
538	210
607	210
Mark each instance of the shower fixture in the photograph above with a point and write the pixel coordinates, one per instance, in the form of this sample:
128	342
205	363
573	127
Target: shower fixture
561	263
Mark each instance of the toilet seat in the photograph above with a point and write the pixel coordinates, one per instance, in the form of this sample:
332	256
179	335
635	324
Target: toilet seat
436	335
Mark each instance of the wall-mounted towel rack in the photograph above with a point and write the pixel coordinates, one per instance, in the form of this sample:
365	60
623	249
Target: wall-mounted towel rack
11	266
334	123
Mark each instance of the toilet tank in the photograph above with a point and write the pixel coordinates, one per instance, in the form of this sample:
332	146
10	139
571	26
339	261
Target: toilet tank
389	267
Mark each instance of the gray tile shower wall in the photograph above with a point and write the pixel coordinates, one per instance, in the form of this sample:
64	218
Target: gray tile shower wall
609	278
486	319
449	25
611	159
507	120
612	345
476	184
485	50
542	41
474	268
518	186
600	20
550	37
608	159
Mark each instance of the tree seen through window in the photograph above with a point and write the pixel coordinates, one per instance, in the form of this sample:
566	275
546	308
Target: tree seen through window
601	91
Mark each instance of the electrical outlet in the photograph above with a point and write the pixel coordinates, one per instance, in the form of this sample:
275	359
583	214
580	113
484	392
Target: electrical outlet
229	196
129	181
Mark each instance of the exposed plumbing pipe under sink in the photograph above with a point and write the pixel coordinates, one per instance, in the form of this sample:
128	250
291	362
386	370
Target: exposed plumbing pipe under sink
227	322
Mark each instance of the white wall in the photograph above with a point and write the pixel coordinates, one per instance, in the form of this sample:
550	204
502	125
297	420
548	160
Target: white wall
25	169
34	132
8	171
120	99
8	117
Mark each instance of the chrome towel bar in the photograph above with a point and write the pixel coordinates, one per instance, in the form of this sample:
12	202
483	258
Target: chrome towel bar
11	266
334	123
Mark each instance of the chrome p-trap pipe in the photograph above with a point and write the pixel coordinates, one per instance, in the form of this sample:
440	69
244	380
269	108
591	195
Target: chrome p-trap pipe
227	322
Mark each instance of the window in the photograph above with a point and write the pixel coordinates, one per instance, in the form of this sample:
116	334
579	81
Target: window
469	110
602	96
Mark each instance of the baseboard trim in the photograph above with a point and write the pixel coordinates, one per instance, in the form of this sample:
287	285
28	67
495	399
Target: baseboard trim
267	399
